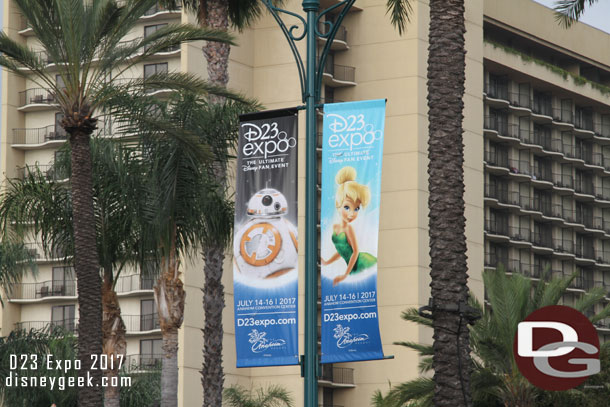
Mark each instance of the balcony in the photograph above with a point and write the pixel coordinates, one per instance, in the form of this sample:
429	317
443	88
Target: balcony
37	252
542	240
499	124
497	158
164	52
563	246
49	171
577	283
520	167
520	100
563	116
542	104
495	260
497	88
141	323
584	251
333	376
563	181
142	362
44	289
496	227
584	186
338	75
160	9
340	40
36	99
69	325
133	283
603	257
519	267
29	139
519	234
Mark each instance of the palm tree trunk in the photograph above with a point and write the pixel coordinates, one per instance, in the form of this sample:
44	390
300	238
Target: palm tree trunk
212	373
170	296
114	342
446	73
86	266
212	377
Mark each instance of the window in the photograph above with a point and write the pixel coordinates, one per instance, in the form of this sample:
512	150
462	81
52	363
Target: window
150	29
150	352
63	281
148	315
152	69
63	316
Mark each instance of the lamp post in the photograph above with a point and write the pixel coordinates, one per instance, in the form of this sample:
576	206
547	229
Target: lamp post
310	76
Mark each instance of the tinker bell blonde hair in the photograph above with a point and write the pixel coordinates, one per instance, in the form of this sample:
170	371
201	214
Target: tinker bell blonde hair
349	188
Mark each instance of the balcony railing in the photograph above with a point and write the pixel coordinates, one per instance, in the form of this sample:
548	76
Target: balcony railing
520	99
520	167
563	246
341	34
340	72
158	8
39	136
603	256
134	282
499	124
563	115
37	252
496	158
584	186
520	234
70	325
496	227
141	323
520	267
338	375
495	260
497	89
563	180
49	171
36	96
584	251
577	282
542	239
142	361
542	105
44	289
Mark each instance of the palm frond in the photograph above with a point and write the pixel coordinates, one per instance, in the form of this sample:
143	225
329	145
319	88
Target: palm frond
412	315
567	12
400	13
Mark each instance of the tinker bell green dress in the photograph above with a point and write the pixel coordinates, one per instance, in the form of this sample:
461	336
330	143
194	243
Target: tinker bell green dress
365	260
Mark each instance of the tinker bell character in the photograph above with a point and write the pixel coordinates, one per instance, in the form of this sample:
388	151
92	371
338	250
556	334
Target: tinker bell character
350	199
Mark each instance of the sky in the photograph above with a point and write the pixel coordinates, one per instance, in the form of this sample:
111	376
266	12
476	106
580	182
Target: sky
596	15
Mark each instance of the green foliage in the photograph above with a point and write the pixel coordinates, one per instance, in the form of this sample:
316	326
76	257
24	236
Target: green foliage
400	13
569	11
15	261
577	79
58	343
272	396
495	379
145	389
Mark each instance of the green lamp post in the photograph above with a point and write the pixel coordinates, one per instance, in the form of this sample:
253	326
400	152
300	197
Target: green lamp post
310	76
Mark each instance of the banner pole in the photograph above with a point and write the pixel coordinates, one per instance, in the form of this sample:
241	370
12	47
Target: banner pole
311	7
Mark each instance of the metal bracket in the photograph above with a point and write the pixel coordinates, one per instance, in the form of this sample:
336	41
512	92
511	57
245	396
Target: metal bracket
290	32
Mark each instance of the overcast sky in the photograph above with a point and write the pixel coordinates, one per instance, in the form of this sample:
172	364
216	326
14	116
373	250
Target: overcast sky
597	15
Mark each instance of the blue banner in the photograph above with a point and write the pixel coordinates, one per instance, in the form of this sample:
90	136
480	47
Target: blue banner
265	244
351	177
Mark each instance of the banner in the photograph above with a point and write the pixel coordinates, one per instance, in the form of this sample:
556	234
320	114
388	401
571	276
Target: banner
265	244
351	177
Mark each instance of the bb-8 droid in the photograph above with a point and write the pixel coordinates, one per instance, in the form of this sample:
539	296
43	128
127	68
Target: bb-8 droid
266	246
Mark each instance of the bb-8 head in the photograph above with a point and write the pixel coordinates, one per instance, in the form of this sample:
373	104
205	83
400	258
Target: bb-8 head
266	246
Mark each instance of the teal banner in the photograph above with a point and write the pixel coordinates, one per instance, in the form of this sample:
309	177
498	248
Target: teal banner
351	185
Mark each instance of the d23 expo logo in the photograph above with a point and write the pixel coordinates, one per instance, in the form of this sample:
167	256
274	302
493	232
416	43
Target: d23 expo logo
556	348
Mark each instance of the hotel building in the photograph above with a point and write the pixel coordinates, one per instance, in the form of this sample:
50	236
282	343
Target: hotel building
537	172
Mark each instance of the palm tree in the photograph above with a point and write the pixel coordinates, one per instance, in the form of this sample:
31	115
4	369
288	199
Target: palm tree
569	11
273	396
46	202
15	261
448	268
85	37
186	206
496	380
